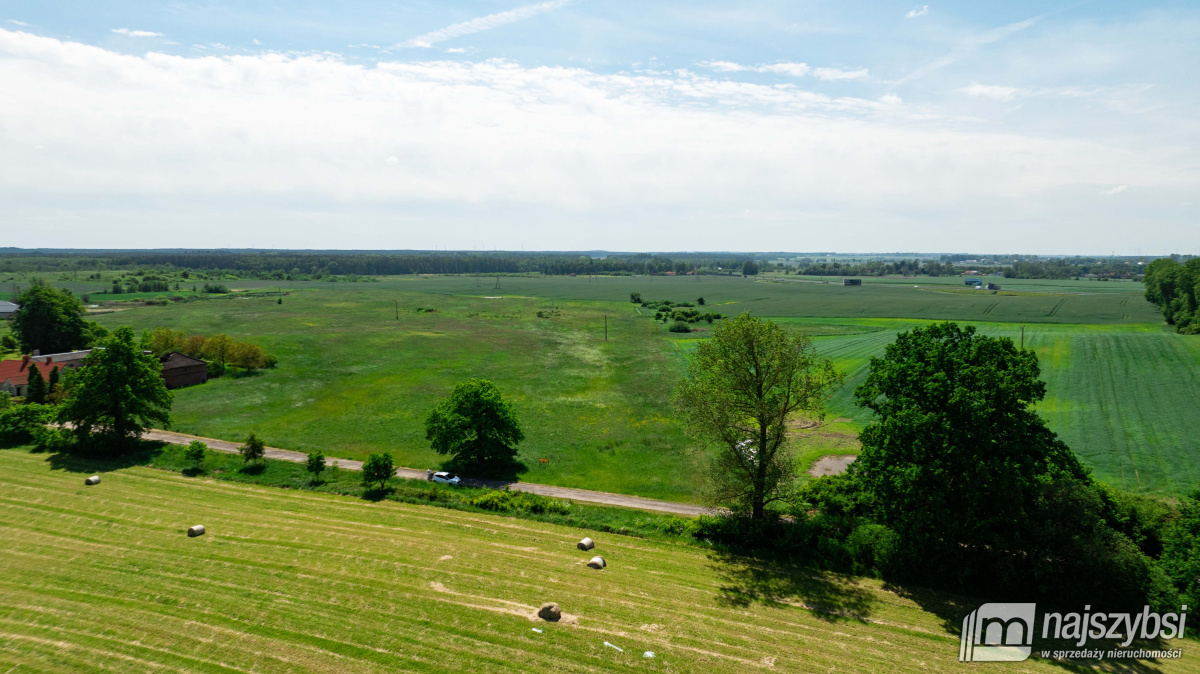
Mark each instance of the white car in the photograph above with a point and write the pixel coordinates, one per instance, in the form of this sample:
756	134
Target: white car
447	478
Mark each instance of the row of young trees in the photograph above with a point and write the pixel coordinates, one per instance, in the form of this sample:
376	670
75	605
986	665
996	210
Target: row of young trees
220	349
959	484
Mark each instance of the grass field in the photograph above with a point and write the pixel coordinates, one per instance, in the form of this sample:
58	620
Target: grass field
104	577
353	379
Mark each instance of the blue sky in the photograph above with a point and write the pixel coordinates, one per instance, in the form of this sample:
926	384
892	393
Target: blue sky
887	126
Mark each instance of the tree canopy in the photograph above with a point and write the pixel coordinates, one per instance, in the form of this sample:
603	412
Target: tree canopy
982	495
117	396
1175	289
49	320
741	387
475	425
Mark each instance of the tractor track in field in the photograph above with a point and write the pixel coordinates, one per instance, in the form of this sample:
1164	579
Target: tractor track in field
570	493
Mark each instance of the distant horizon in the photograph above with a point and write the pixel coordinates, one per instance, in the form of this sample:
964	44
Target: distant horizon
590	252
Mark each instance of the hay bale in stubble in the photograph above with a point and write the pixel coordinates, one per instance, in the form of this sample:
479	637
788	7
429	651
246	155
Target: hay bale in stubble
197	530
596	562
550	612
95	479
586	544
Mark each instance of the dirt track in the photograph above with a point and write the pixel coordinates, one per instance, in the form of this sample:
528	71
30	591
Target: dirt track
581	495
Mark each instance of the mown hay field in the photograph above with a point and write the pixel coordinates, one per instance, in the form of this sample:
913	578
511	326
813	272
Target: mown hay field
105	577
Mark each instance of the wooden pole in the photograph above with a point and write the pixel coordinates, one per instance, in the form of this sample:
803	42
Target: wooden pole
1022	336
397	303
606	327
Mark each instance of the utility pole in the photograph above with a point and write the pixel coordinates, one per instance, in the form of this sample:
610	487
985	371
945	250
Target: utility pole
497	281
1022	336
606	327
397	303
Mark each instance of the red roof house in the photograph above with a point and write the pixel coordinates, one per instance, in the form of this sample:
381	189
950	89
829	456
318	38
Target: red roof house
14	374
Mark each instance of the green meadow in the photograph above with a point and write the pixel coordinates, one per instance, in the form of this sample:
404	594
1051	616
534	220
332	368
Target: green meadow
362	363
104	577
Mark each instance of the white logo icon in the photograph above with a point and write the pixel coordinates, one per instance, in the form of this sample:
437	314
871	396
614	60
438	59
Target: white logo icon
998	633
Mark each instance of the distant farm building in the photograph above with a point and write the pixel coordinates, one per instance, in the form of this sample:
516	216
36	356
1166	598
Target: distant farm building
851	282
14	374
65	360
179	370
7	309
993	286
974	282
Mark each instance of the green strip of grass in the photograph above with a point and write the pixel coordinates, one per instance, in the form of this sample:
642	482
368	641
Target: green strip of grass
289	475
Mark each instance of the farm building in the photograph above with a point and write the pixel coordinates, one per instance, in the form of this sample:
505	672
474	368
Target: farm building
14	374
851	282
68	359
179	370
7	309
974	282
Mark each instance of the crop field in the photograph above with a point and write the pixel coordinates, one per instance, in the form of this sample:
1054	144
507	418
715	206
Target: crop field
105	577
1122	397
355	379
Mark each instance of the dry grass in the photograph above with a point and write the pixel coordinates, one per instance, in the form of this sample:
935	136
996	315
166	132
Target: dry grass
105	577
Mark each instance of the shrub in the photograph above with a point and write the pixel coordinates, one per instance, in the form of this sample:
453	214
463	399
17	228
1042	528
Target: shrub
378	468
315	463
20	423
215	288
679	327
195	453
254	449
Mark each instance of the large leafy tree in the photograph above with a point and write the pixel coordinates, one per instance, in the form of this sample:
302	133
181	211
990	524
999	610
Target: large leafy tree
1181	552
741	387
1175	289
117	396
49	320
956	461
475	425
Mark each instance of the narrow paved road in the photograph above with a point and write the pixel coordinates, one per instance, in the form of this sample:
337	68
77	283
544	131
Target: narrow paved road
581	495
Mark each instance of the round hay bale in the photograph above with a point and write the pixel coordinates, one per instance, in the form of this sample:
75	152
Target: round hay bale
586	544
197	530
95	479
596	562
550	612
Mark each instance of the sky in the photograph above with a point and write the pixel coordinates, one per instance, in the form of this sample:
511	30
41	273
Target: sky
1016	127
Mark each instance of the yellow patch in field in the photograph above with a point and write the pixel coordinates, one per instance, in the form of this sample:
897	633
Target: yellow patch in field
427	334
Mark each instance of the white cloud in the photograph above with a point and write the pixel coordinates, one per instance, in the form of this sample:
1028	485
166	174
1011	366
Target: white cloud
149	146
17	23
838	74
782	68
456	50
135	33
1117	190
920	11
994	92
483	23
256	43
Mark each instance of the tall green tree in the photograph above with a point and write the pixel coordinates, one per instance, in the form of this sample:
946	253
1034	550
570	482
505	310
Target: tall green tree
741	388
315	464
1175	289
35	389
956	461
117	396
49	320
475	425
